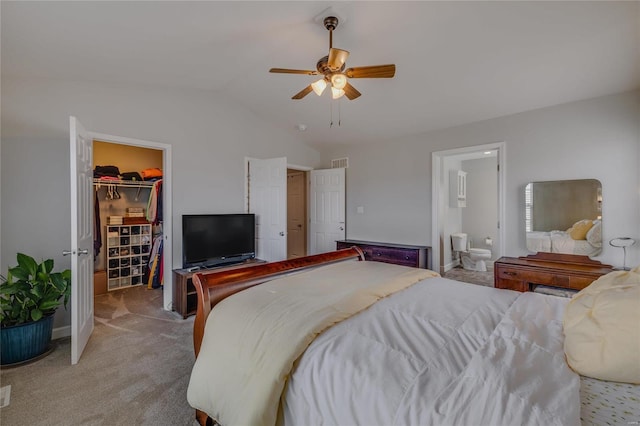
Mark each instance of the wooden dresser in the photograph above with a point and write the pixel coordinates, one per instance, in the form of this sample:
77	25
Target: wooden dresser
550	269
399	254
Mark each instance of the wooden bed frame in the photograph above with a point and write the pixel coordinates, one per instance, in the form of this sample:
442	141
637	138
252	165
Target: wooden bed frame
212	287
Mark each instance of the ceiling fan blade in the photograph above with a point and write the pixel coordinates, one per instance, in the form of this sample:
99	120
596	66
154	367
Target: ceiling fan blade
288	71
337	58
304	92
373	71
351	92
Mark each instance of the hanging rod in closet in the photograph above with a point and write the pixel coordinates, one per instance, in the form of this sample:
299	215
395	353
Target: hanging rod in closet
127	183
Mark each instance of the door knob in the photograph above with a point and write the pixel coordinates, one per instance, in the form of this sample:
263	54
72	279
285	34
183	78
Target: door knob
281	234
67	252
341	228
85	251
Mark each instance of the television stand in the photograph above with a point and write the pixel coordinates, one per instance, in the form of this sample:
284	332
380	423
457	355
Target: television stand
185	301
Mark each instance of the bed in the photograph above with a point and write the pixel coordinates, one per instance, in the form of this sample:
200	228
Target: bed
420	349
562	241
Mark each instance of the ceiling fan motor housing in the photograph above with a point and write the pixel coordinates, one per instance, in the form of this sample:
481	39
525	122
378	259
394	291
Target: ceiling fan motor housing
323	67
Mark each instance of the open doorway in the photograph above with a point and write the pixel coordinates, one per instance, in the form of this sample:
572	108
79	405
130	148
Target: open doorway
128	217
296	213
468	207
82	205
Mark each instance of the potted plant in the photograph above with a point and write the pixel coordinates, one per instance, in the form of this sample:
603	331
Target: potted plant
29	296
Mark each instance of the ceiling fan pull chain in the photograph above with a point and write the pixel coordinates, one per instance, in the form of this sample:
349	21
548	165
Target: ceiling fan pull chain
339	113
331	111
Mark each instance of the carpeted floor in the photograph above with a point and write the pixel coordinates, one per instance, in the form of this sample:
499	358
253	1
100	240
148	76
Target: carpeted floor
134	370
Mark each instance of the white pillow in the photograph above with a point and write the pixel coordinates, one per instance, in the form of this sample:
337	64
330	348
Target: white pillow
602	328
594	235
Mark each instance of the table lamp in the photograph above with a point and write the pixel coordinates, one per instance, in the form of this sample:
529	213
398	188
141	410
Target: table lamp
623	242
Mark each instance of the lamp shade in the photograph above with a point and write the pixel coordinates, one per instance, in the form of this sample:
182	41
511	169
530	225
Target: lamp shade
319	86
339	81
336	93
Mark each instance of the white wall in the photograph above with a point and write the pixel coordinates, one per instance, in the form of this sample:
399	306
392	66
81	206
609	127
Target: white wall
209	136
597	138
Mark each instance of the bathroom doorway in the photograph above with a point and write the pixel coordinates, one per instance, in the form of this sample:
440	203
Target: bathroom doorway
468	198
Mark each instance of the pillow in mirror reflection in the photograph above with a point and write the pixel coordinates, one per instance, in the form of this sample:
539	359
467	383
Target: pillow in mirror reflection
602	328
579	229
594	236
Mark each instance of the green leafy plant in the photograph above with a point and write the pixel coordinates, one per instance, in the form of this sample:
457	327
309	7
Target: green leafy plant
31	291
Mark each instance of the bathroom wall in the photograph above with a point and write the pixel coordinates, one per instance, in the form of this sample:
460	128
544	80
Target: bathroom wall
452	215
480	217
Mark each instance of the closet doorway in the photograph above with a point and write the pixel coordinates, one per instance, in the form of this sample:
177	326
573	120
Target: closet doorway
82	232
115	148
128	231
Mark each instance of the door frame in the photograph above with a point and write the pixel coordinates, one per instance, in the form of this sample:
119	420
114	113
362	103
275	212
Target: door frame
167	209
438	190
289	166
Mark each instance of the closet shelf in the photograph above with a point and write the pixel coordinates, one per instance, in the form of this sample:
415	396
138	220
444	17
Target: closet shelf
127	183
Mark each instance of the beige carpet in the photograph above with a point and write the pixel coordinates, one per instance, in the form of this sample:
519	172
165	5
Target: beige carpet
134	370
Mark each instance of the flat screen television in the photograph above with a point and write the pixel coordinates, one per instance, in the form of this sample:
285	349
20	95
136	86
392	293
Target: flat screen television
215	239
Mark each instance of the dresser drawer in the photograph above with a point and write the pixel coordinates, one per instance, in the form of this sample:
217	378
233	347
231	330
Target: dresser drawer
579	283
526	276
511	284
383	254
559	280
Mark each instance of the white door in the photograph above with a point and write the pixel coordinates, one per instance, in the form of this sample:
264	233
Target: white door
267	193
81	238
326	209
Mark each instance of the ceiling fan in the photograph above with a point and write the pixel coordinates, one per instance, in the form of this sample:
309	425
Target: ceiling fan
332	68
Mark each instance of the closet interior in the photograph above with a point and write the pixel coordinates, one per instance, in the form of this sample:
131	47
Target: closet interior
127	230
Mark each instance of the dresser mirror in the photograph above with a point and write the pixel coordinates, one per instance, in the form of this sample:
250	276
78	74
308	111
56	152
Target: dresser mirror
564	216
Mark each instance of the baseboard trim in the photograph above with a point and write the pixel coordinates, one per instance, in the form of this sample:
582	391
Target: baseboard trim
450	266
60	332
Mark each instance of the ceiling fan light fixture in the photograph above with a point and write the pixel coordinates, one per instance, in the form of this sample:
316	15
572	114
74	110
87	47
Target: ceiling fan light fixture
339	81
336	93
319	86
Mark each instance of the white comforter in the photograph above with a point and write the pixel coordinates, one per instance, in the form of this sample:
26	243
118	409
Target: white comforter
559	242
439	353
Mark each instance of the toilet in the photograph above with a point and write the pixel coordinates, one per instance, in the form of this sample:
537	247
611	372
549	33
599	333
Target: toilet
472	259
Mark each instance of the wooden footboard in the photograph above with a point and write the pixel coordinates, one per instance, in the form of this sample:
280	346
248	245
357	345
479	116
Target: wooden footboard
212	287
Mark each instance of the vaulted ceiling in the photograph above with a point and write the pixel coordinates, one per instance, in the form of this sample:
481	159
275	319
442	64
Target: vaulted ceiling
457	62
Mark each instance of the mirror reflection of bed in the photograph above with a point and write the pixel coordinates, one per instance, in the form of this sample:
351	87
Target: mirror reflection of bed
564	217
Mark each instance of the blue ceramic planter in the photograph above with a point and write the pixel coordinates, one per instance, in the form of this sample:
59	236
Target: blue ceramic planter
23	342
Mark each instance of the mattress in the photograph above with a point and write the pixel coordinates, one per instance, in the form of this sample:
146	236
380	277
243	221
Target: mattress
608	403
